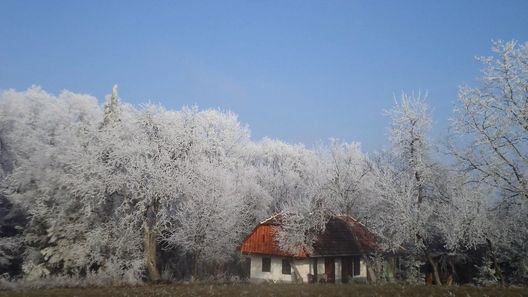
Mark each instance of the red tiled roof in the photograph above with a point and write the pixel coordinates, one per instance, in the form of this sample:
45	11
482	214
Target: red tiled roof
341	237
262	241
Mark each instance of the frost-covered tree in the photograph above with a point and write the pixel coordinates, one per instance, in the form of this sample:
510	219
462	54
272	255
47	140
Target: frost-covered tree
410	124
206	225
348	178
508	249
336	183
214	207
491	121
490	143
293	178
42	131
287	172
11	223
103	189
439	215
107	192
462	219
112	108
403	183
253	197
486	274
397	217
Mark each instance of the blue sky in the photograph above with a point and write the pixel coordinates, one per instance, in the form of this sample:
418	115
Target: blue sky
300	71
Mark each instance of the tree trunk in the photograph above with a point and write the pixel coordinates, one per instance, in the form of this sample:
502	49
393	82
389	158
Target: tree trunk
150	246
420	187
194	275
371	273
498	271
297	278
451	278
434	264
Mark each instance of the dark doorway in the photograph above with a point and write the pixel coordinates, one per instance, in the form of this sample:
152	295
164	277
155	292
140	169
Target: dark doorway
330	270
245	267
350	267
357	265
346	269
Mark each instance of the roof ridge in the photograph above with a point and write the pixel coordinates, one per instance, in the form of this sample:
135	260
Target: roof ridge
270	218
353	218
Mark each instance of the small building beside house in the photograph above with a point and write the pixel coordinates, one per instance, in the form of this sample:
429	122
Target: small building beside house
338	254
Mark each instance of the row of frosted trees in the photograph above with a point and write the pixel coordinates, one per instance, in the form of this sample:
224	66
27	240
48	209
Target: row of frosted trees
124	194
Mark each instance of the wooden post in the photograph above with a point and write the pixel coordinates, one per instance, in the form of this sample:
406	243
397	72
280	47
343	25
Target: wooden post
316	280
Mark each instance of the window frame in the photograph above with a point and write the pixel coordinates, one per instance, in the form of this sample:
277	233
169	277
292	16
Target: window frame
266	264
286	266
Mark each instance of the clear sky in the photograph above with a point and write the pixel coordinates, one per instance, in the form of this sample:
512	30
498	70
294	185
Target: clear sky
300	71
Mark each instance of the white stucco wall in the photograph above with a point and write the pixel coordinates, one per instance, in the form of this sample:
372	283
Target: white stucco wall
275	273
362	268
337	270
304	267
320	266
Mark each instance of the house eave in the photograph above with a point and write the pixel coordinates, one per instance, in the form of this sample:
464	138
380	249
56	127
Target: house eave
273	255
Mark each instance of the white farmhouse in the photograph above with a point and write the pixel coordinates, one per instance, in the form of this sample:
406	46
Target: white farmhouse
338	254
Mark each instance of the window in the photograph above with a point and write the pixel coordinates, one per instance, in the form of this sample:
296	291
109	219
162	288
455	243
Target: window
286	268
266	264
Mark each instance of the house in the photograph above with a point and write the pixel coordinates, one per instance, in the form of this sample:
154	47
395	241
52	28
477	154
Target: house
338	255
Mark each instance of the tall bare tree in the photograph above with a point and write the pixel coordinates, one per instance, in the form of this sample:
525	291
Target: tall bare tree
490	126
